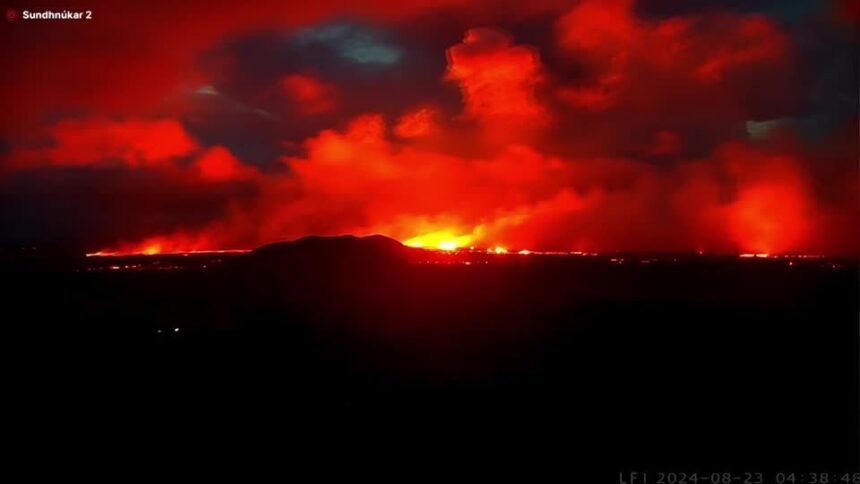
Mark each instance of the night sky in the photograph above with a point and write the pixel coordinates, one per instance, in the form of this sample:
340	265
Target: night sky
550	125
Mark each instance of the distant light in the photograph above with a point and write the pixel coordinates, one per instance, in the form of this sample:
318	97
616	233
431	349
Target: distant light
524	252
175	330
499	250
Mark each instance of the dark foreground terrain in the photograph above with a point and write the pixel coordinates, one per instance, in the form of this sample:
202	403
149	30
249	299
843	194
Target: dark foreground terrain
619	363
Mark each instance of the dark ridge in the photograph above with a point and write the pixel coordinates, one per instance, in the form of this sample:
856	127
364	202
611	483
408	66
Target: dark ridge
338	242
373	249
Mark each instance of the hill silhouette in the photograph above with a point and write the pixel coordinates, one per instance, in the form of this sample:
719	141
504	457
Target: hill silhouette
337	246
343	252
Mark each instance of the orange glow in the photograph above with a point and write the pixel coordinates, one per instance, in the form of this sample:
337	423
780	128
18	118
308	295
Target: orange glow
770	213
443	240
742	200
178	243
151	253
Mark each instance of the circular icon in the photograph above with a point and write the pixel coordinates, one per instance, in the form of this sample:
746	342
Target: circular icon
11	14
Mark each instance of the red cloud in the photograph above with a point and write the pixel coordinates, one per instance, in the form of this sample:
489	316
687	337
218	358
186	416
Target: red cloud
309	94
620	50
153	144
497	78
418	123
218	164
751	40
134	143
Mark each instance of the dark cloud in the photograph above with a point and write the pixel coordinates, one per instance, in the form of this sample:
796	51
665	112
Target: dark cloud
795	10
350	42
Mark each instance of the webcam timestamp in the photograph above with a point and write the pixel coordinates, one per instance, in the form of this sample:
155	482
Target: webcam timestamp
738	478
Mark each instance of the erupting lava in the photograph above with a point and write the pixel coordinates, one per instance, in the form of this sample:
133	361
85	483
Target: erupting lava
165	245
442	240
619	132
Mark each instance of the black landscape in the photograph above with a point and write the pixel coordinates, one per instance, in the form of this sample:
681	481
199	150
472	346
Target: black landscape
714	361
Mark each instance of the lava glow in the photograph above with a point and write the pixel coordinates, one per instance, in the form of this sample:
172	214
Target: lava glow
177	245
153	252
443	240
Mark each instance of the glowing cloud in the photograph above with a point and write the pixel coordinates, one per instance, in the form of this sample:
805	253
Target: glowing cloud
134	143
309	94
497	78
